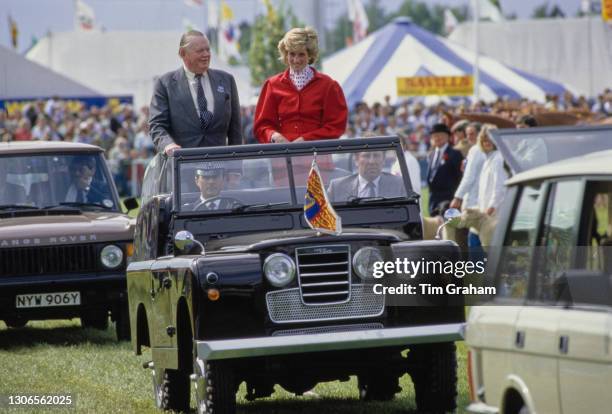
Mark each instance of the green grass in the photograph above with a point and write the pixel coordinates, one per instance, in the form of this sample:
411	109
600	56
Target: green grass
59	357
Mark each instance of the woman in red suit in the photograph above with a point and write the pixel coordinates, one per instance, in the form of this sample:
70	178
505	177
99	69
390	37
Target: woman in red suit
300	103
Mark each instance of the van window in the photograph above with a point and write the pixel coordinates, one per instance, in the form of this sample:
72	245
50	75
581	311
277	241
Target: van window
519	244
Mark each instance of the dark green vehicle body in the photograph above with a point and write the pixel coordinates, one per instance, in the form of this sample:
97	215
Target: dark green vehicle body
214	317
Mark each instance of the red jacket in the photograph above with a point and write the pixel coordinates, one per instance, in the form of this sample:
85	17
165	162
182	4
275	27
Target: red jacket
318	111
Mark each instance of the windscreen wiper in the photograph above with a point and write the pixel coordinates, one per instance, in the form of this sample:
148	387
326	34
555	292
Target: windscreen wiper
17	207
247	207
412	198
79	204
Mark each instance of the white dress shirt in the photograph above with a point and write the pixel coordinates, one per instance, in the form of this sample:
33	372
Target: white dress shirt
193	88
362	191
468	188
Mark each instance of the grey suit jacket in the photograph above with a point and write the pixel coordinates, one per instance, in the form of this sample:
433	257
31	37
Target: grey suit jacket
345	188
173	117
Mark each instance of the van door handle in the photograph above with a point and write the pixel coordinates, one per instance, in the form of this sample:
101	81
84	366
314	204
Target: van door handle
564	344
519	340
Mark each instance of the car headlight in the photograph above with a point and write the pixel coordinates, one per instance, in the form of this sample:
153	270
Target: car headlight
111	256
364	259
279	269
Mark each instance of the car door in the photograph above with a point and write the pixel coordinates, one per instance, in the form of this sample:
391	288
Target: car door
585	325
537	326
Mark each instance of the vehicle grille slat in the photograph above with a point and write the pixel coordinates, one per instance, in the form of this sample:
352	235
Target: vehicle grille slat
325	284
324	274
325	264
38	260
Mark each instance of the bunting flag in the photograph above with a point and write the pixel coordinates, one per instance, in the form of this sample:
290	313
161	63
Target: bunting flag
85	17
229	34
14	31
318	212
357	15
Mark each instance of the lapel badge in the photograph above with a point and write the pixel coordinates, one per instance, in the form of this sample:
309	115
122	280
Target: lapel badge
220	89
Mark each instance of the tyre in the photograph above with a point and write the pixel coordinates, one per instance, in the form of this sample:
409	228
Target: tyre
122	324
215	387
434	374
16	322
172	389
378	387
95	319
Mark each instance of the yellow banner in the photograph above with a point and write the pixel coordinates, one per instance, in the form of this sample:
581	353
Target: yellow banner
435	85
606	10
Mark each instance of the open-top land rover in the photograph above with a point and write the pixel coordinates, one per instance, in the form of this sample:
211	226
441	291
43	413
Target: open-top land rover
64	240
229	284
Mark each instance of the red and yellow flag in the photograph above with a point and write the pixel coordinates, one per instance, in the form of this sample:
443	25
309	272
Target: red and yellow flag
318	212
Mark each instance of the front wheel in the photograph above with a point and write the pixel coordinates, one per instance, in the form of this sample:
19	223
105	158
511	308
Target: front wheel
434	375
215	387
172	389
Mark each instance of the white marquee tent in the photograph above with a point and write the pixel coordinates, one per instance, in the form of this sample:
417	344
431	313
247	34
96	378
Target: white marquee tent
368	70
574	51
21	78
122	62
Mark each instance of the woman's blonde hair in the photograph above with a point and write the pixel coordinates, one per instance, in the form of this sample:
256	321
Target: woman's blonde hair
485	132
296	38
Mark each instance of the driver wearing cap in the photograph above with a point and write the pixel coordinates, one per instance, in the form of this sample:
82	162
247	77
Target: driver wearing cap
209	178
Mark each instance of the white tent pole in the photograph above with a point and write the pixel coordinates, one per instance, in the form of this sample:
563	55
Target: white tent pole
476	70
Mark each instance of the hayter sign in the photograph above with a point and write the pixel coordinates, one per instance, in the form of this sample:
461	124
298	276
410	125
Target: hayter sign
435	85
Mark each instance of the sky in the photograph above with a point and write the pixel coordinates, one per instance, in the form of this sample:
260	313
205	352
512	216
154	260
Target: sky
35	18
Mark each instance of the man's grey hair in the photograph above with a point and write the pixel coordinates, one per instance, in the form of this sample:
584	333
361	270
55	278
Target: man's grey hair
188	36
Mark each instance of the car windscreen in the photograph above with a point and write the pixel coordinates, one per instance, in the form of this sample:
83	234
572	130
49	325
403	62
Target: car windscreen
43	181
281	182
528	148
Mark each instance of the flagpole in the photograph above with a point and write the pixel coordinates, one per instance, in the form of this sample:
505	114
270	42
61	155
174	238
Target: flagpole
476	70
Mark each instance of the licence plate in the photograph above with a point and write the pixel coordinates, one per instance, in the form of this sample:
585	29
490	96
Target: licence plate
40	300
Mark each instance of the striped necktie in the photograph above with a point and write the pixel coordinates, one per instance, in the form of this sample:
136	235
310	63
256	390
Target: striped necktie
204	113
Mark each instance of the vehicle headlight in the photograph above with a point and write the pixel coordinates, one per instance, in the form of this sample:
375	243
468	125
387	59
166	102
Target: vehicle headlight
111	256
279	269
364	259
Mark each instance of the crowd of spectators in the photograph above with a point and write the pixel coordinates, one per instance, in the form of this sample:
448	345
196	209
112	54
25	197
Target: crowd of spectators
123	131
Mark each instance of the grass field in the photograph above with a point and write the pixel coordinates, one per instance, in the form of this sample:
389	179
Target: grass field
59	357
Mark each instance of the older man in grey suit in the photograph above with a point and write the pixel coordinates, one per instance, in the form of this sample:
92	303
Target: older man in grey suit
195	106
370	180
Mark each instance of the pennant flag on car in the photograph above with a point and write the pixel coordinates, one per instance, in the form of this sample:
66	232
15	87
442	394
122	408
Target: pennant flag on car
319	213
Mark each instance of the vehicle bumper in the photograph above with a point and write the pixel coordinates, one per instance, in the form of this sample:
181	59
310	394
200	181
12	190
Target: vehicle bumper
481	408
332	341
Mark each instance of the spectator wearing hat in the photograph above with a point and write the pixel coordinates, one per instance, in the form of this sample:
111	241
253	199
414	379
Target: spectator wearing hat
210	179
444	168
461	142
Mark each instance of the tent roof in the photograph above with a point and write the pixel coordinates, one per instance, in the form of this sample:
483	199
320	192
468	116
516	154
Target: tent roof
122	62
21	78
368	70
575	51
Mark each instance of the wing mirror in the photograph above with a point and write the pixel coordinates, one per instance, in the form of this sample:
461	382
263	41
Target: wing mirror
184	241
452	216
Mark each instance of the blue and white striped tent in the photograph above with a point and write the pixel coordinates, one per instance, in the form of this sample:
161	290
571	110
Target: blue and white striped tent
368	70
